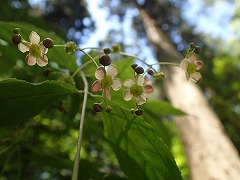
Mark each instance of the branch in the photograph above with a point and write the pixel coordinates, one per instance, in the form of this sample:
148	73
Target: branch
77	157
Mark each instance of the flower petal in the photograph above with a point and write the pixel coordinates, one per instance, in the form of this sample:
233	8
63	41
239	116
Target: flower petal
139	80
106	93
184	64
112	71
147	89
43	49
30	60
96	86
128	83
199	64
127	95
34	37
100	73
140	99
196	77
42	61
23	47
192	58
116	84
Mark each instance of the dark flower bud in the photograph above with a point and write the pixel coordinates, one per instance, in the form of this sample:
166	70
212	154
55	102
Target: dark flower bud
47	71
134	66
150	72
97	107
16	39
198	49
16	31
108	109
61	108
107	51
105	60
48	43
139	70
139	112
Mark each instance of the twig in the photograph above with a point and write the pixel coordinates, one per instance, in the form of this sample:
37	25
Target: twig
77	157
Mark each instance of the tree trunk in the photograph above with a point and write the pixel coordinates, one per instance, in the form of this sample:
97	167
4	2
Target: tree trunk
210	153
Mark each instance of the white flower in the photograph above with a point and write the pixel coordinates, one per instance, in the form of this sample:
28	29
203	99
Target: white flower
37	51
139	88
105	80
190	66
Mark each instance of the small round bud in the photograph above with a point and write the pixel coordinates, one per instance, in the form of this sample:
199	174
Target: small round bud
139	70
16	31
159	75
139	112
97	107
16	39
134	66
70	47
105	60
108	109
47	71
61	108
150	72
198	49
132	110
116	48
48	43
107	51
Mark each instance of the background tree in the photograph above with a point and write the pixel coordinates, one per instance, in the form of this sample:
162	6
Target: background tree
201	124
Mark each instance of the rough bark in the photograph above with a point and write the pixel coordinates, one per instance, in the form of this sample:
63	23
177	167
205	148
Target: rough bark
210	153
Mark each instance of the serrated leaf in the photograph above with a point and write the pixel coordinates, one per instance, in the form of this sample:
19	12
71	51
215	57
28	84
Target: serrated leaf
141	153
21	100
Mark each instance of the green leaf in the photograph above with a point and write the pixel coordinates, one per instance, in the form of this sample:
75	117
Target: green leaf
141	153
162	108
21	100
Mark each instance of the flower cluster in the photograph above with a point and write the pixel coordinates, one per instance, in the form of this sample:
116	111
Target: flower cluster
138	87
37	50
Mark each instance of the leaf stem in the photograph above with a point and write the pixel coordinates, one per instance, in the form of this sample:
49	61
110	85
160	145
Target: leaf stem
80	133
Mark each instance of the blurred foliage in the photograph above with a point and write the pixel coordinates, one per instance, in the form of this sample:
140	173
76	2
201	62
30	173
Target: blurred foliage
71	16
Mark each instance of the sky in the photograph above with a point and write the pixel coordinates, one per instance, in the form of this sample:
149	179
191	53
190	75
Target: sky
212	20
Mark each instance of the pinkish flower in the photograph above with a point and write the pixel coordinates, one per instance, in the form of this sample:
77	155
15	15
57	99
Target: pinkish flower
105	80
139	88
37	51
190	65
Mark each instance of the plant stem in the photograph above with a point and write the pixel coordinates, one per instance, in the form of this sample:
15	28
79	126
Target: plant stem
80	67
166	63
87	55
159	63
133	56
80	133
